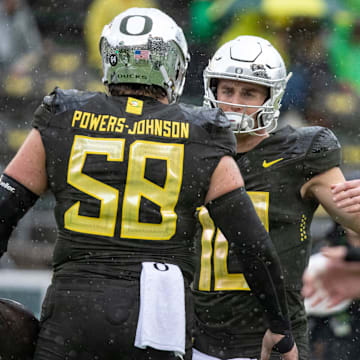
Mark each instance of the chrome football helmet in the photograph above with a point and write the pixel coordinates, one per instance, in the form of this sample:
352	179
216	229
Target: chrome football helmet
145	46
254	60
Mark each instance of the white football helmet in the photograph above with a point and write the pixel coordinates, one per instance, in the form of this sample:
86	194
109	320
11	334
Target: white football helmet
254	60
145	46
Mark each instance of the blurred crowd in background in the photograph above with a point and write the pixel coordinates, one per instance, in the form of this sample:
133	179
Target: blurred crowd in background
48	43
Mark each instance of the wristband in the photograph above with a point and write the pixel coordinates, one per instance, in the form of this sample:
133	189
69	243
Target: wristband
15	201
285	344
352	254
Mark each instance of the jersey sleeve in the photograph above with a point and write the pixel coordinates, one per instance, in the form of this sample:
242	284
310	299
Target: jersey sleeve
57	102
44	112
223	136
323	154
213	123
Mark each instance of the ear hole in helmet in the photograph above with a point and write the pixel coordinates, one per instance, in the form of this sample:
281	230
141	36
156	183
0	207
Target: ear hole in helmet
213	86
268	95
177	73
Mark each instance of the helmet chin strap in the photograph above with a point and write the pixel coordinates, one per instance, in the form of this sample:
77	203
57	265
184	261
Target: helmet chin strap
254	133
168	82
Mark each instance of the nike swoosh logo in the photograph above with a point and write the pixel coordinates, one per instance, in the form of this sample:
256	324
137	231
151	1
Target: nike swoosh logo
268	164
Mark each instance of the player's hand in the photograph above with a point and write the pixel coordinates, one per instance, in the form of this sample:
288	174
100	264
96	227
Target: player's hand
271	339
335	283
312	287
346	195
334	252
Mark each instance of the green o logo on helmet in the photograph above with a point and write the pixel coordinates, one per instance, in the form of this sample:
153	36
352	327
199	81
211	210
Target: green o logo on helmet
125	27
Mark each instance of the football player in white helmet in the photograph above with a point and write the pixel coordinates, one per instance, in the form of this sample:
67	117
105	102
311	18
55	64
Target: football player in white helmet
288	173
129	172
152	52
251	61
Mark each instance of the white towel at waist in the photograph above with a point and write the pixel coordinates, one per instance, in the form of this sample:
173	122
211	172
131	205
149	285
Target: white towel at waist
161	323
197	355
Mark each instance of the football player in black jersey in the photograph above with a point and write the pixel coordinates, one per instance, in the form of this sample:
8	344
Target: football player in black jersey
287	173
128	171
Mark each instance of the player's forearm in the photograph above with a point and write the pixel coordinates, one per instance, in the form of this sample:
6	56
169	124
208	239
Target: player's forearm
15	201
235	215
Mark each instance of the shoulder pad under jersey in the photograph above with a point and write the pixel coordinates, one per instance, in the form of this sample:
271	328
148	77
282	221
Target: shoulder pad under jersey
205	117
213	127
59	101
324	151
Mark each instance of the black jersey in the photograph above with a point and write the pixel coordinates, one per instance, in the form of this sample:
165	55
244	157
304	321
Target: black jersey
274	172
127	174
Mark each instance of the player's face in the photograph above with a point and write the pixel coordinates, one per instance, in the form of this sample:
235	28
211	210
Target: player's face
239	92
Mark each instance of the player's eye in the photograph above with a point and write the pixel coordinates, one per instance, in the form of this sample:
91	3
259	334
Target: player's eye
227	91
248	93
